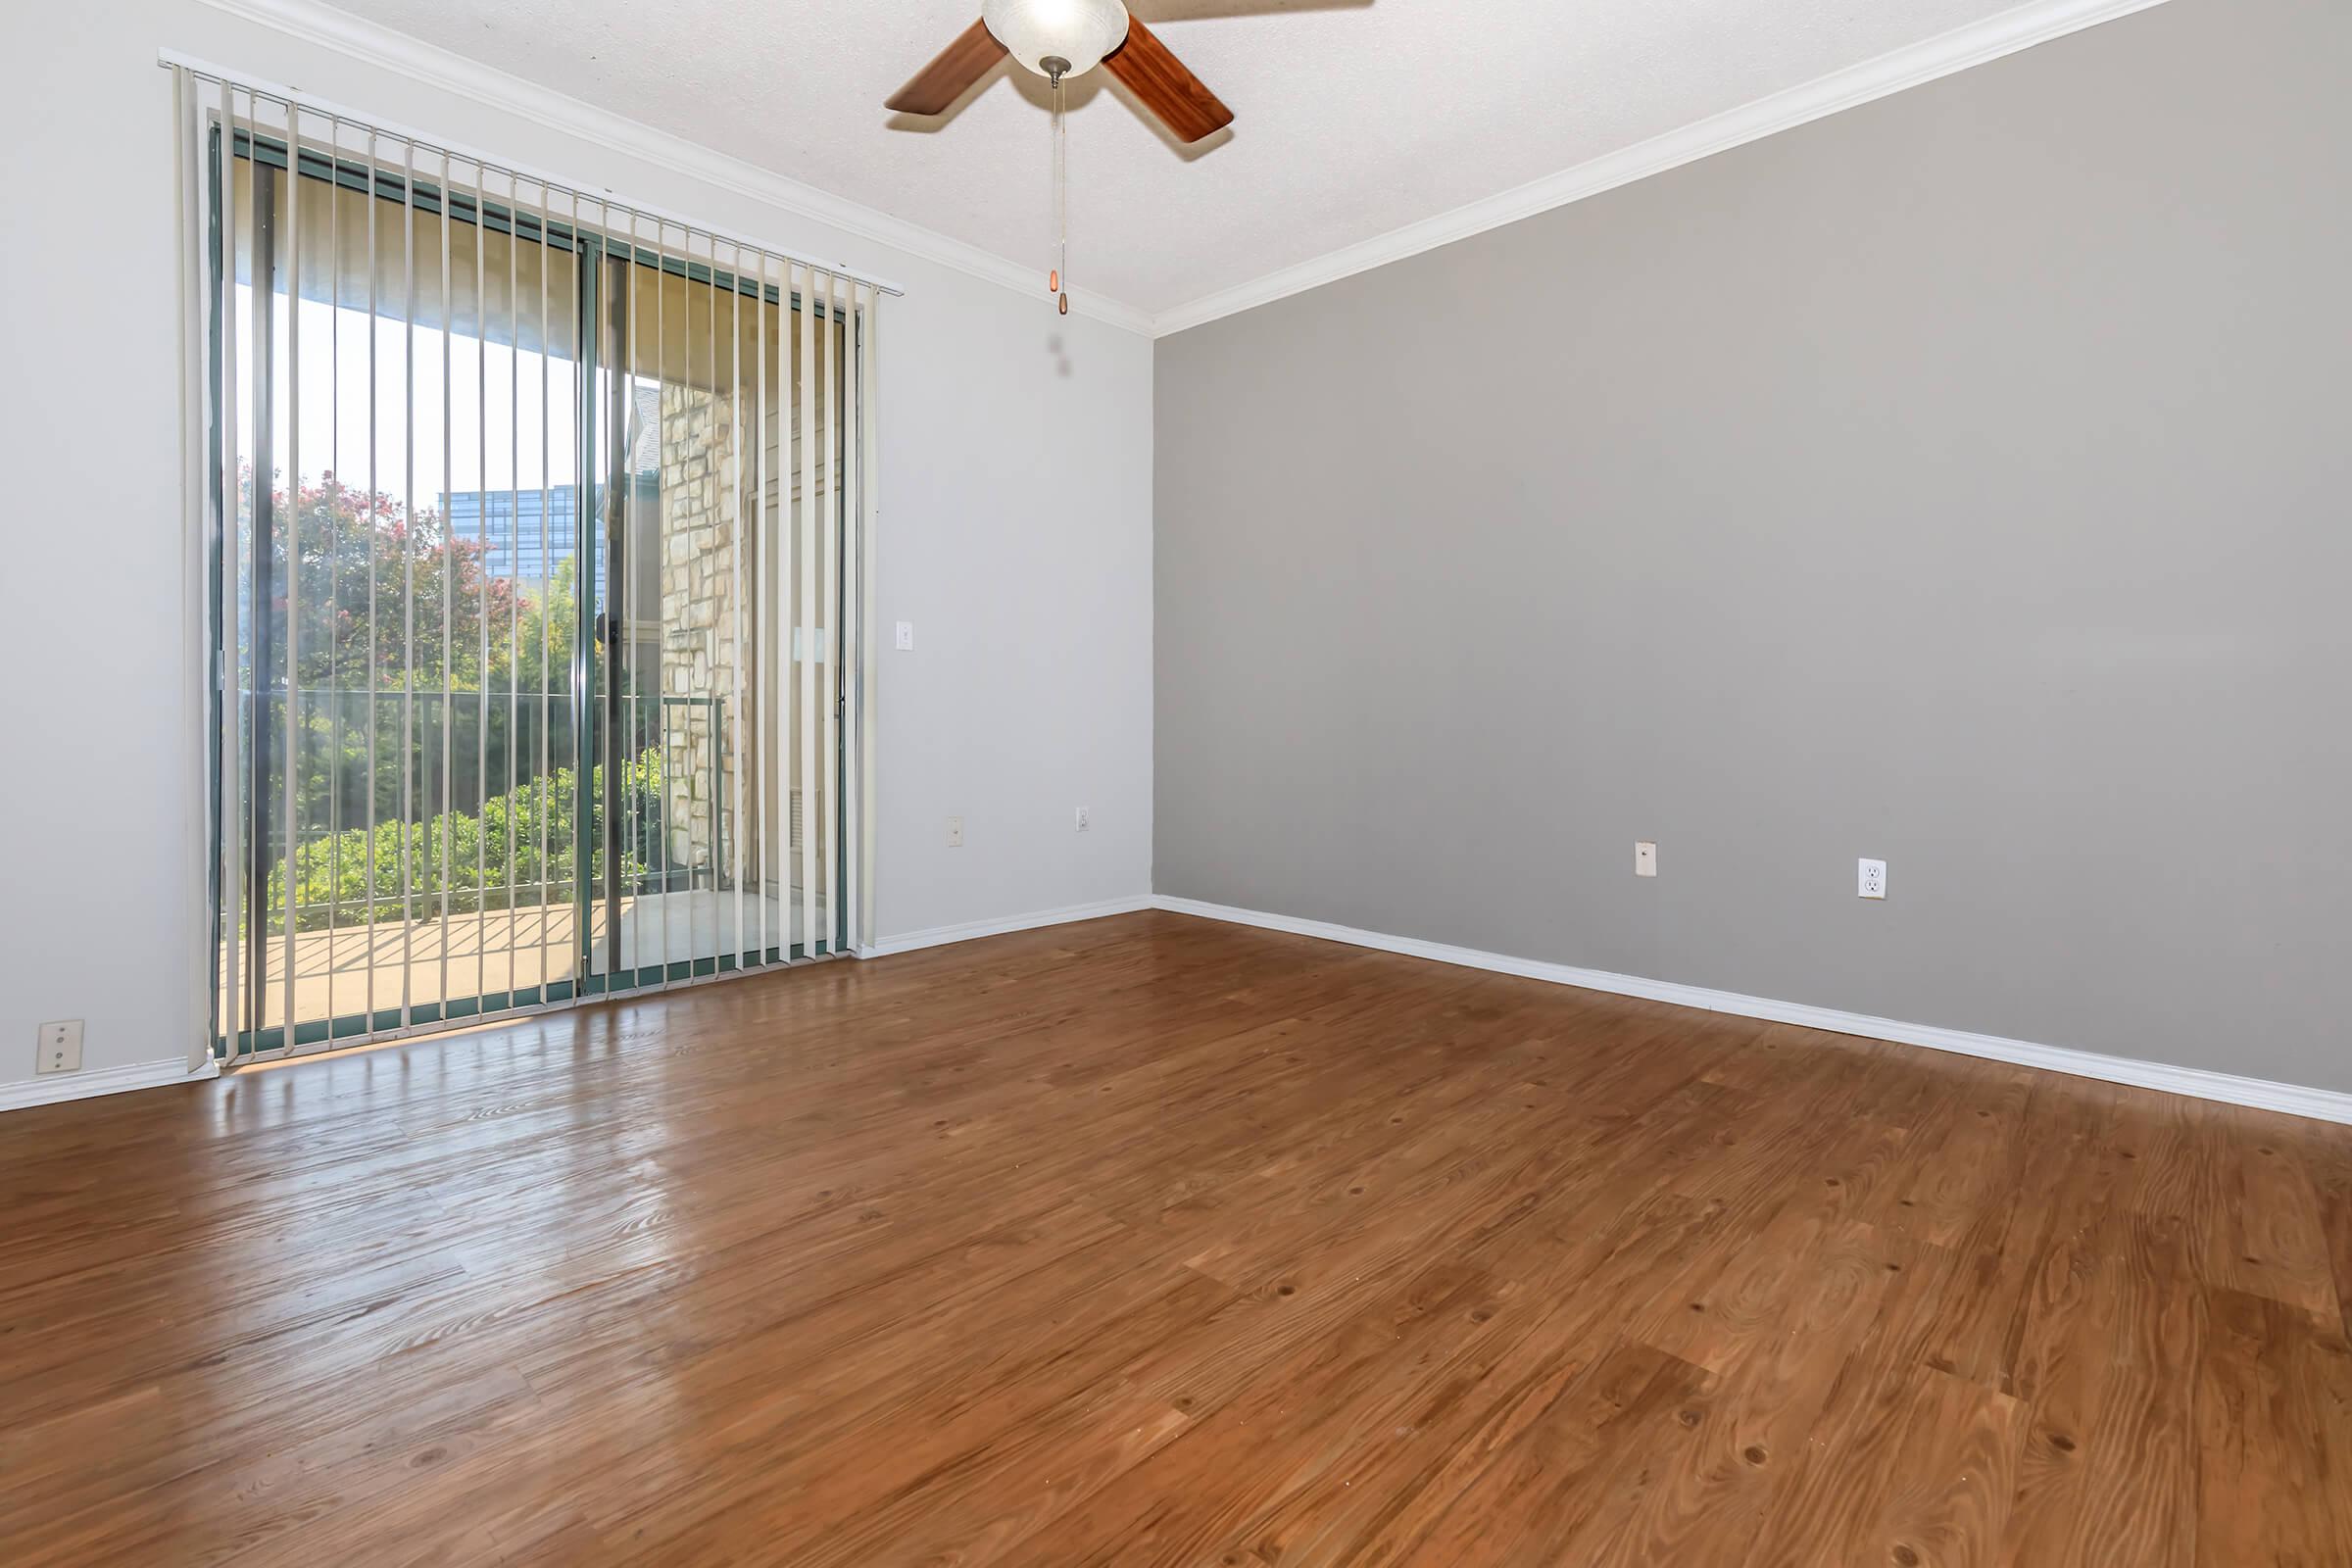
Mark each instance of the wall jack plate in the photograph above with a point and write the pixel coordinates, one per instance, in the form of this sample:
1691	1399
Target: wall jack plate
61	1047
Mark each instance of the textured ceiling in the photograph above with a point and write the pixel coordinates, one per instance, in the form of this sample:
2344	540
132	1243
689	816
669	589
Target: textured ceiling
1354	116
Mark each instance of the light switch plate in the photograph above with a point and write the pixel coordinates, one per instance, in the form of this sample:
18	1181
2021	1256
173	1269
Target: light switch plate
905	641
1646	858
954	832
61	1047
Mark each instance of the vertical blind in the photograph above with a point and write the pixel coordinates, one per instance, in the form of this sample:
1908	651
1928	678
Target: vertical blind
534	551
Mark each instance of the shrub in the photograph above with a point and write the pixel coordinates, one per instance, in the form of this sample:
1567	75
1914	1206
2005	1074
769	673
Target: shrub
493	859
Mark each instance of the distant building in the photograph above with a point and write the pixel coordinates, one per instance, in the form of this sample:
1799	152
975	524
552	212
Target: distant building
524	535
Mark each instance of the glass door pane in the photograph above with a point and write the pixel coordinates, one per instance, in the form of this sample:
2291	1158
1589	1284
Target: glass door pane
680	637
408	551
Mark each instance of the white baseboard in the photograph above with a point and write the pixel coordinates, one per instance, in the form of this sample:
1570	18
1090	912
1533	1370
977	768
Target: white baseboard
939	935
62	1086
2320	1104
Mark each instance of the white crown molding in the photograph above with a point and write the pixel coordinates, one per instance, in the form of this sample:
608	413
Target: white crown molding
2031	24
2036	22
2320	1104
53	1088
435	67
940	935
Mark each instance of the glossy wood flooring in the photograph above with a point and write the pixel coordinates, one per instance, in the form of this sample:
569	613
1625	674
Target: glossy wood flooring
1157	1241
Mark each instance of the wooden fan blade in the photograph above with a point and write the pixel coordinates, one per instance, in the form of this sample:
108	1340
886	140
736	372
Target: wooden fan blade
1167	87
937	86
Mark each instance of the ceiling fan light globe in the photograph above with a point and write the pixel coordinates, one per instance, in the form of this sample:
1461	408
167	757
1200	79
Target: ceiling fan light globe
1080	31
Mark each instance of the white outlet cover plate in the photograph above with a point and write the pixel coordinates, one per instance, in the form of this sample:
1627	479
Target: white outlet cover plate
1646	858
1870	879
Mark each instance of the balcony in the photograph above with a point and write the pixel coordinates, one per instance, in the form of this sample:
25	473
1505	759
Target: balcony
448	914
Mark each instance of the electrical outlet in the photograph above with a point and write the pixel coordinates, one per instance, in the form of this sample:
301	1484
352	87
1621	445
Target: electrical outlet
1085	819
1870	879
954	832
1646	858
61	1047
905	636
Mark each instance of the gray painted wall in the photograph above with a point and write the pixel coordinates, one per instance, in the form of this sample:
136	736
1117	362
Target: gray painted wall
1964	480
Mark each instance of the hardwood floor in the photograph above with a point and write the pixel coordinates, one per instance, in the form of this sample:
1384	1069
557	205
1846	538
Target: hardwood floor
1158	1241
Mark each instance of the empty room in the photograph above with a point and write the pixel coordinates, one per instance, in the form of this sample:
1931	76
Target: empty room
1202	783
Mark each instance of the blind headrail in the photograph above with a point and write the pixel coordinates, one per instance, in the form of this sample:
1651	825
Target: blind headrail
601	195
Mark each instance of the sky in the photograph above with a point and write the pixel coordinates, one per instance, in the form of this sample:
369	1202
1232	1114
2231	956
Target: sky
520	406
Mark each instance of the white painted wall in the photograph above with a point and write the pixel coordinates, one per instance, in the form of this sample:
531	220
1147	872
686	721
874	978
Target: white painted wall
1016	532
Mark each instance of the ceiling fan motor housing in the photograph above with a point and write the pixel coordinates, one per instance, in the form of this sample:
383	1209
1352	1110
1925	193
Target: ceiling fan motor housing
1073	33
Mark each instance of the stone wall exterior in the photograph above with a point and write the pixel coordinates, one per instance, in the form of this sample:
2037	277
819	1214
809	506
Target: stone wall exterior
701	513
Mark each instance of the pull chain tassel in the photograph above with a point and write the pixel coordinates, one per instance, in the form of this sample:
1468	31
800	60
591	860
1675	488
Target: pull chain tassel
1062	204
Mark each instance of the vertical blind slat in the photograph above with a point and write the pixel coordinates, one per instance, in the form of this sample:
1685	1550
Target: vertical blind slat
804	617
760	736
196	291
855	628
870	454
442	807
544	699
628	716
698	544
515	564
627	713
408	590
221	224
291	645
481	512
334	564
781	701
739	722
661	708
367	525
195	562
828	615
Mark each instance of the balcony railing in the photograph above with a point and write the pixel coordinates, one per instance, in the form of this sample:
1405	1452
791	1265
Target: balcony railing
489	791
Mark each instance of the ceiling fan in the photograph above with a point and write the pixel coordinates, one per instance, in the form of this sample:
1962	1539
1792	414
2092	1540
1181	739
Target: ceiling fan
1063	38
1059	39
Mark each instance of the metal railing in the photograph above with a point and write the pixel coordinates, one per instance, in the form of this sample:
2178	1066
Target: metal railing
514	760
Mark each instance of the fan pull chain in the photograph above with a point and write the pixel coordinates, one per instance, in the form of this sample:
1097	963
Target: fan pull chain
1061	203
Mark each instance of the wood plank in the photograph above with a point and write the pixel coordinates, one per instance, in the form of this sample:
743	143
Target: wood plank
2109	1371
2274	1421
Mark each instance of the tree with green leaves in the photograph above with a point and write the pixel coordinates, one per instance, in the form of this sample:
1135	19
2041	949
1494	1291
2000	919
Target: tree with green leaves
400	633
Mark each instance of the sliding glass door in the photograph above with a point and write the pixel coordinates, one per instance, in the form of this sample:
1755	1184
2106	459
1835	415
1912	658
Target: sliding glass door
724	534
534	544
